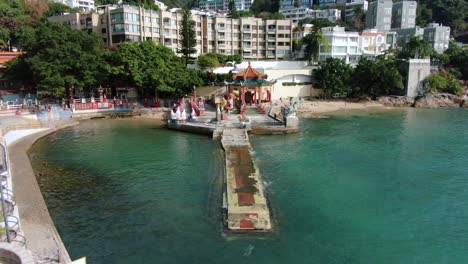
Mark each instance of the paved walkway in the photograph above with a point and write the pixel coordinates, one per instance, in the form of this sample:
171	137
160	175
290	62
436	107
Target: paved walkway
246	203
42	239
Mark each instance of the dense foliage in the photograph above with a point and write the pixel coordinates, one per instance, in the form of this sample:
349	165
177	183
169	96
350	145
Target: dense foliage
451	13
456	58
312	42
443	82
417	47
59	58
213	60
334	77
370	78
375	77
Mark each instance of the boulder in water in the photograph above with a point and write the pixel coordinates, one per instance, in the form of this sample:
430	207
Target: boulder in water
436	100
396	101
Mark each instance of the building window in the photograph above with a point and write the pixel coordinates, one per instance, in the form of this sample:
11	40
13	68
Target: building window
118	17
118	28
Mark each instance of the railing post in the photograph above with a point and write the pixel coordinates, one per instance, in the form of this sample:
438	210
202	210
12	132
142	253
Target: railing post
5	216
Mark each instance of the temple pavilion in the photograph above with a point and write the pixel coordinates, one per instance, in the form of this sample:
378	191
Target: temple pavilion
251	86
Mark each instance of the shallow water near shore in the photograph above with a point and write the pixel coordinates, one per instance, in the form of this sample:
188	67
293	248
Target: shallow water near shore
387	187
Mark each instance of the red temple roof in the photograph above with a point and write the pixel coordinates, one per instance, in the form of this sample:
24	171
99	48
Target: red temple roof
249	73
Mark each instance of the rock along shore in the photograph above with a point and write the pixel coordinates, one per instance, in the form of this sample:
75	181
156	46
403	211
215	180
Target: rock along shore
431	100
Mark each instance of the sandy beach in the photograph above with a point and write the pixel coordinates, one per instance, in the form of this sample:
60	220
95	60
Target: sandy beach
317	108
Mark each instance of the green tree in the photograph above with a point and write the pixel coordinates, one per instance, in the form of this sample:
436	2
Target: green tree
270	6
4	37
418	47
207	61
317	22
270	15
423	15
232	13
312	43
358	23
458	59
334	77
61	58
296	45
152	67
444	82
148	4
449	13
56	9
376	77
187	40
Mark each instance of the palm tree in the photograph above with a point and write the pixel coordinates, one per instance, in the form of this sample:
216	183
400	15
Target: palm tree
312	42
418	47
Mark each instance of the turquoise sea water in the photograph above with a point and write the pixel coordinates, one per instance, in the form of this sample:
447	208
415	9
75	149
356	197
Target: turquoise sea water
355	188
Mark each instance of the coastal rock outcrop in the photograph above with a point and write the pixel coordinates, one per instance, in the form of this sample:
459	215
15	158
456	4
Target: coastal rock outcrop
396	101
437	100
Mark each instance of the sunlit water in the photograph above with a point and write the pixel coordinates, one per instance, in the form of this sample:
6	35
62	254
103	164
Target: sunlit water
355	188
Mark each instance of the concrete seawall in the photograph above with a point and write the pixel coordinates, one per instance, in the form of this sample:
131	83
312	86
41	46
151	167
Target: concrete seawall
247	207
42	238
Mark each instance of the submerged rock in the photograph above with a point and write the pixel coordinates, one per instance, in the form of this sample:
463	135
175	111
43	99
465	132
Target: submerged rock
437	100
396	101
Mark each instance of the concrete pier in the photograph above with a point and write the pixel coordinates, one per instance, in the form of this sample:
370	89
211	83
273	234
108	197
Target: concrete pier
246	204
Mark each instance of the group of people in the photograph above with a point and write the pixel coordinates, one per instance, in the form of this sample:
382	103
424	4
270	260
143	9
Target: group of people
179	113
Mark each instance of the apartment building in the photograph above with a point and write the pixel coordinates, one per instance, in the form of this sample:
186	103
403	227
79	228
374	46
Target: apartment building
250	37
404	14
213	4
86	5
224	4
352	6
379	15
287	4
437	35
297	14
341	44
253	38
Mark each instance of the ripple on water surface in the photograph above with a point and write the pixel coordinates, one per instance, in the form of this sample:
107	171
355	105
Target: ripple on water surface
355	188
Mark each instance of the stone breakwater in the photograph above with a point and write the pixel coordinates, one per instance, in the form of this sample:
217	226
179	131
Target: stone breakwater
246	204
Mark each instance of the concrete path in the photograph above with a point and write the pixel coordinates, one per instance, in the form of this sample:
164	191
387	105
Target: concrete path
246	203
42	239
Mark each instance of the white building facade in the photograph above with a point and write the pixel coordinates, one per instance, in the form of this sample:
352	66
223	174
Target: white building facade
341	44
86	5
297	14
